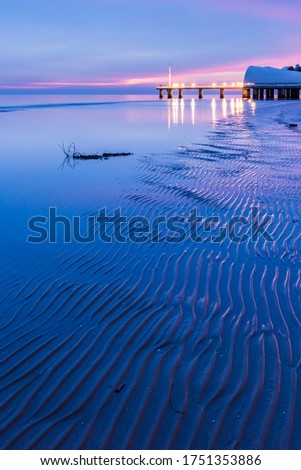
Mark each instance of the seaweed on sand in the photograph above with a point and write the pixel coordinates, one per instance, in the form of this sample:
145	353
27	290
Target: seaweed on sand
72	155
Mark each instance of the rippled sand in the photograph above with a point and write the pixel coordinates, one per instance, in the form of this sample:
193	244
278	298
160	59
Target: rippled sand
161	345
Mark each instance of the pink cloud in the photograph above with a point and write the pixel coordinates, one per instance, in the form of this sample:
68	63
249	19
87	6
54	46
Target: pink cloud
79	83
233	71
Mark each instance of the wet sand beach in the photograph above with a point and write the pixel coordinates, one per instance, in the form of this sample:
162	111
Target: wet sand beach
191	344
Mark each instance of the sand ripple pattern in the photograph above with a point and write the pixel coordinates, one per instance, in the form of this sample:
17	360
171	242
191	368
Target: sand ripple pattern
167	346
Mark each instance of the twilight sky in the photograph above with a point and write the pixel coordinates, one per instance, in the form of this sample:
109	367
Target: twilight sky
107	45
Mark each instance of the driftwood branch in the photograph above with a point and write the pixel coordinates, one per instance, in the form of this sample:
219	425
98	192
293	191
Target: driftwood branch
72	155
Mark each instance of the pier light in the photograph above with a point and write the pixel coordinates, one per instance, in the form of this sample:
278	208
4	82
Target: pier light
175	85
213	84
182	84
225	84
233	84
193	84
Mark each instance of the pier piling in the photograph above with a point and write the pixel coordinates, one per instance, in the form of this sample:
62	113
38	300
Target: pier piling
246	93
281	94
270	94
295	94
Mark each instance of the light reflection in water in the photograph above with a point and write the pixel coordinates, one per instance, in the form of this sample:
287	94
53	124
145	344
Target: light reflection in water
182	104
175	111
219	108
239	106
253	106
224	107
213	107
192	104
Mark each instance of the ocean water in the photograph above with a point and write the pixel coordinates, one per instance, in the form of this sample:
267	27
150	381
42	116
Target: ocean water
165	331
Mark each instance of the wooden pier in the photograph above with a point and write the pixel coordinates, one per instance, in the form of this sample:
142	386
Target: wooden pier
256	92
179	89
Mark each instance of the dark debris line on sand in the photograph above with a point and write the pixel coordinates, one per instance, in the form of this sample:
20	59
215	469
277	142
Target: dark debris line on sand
71	154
